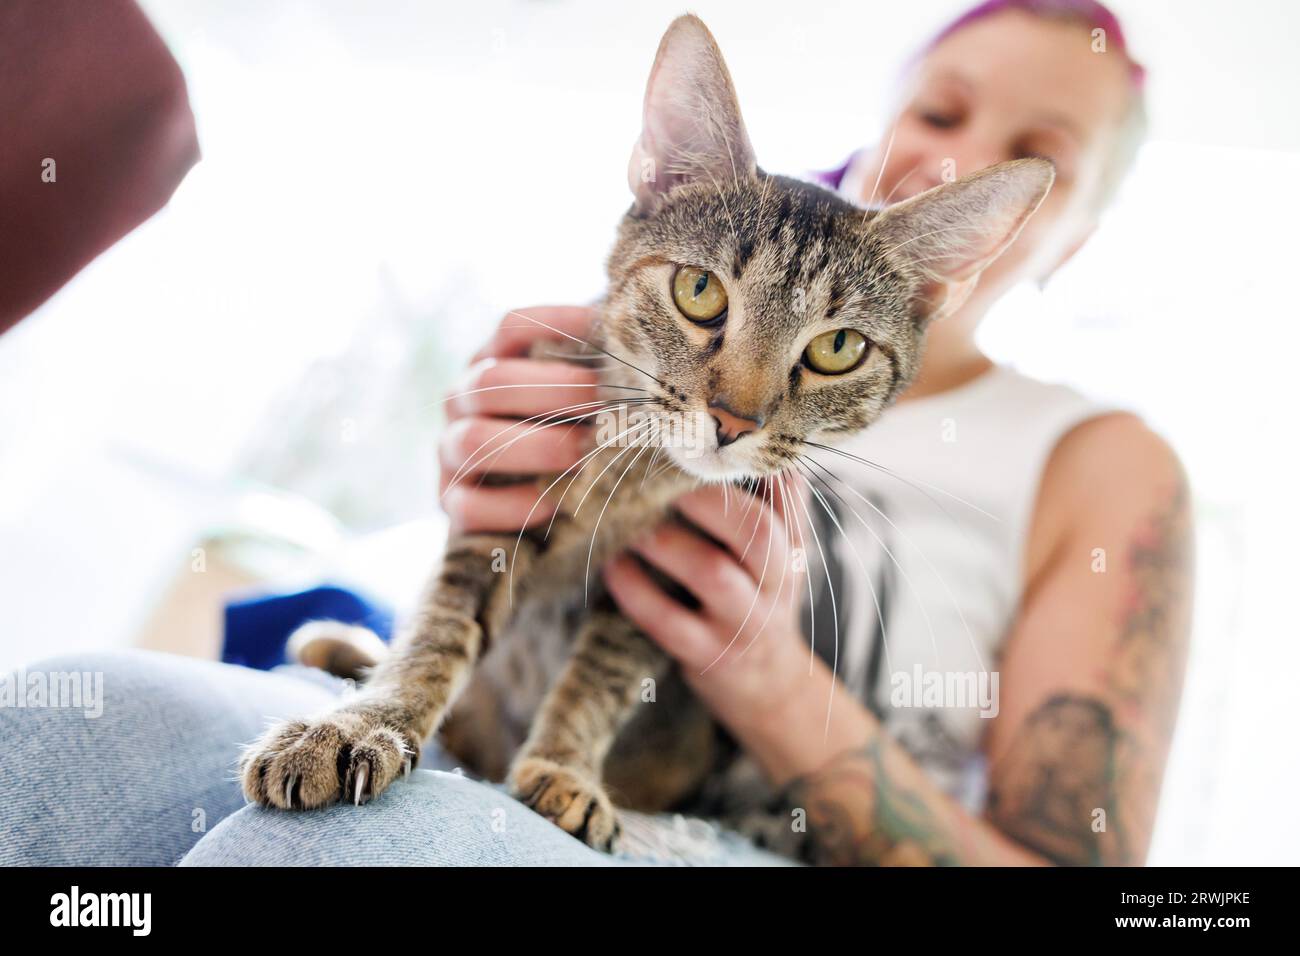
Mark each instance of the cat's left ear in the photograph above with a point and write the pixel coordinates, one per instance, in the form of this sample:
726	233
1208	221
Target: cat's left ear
691	125
948	235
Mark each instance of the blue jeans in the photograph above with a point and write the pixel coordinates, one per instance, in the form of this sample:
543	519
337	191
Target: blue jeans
151	780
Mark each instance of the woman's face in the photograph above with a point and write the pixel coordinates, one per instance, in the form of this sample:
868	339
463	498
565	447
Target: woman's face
1008	86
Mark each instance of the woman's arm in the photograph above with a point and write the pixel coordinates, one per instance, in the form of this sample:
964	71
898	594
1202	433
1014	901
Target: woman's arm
858	795
1090	679
1094	668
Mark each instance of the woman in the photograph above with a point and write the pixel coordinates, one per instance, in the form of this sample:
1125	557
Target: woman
1037	544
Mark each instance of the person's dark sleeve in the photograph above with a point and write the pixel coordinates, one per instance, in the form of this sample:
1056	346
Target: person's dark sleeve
91	86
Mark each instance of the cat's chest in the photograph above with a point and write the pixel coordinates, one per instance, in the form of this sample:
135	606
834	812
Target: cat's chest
620	494
613	501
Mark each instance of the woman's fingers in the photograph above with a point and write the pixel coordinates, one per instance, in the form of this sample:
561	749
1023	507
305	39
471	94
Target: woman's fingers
471	447
506	510
524	388
520	328
711	574
789	495
507	417
745	525
679	631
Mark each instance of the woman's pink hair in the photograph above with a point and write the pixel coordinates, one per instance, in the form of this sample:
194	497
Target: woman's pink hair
1095	15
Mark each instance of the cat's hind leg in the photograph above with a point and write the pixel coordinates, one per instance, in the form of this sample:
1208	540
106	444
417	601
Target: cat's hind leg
344	650
557	772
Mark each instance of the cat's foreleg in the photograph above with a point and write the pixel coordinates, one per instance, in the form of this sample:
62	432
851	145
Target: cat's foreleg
356	750
557	772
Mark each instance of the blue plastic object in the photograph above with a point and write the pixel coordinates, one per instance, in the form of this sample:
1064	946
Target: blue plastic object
257	629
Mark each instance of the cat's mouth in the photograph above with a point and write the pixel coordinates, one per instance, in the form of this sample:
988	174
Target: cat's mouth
695	447
719	465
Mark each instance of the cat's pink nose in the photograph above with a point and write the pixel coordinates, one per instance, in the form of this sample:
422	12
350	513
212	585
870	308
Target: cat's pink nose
730	425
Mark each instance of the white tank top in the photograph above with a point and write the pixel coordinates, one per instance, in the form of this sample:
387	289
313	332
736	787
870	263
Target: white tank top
952	503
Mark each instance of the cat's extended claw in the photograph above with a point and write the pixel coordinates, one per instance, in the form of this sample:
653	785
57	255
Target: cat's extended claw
346	755
362	773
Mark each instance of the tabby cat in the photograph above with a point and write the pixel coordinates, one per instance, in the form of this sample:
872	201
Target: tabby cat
770	310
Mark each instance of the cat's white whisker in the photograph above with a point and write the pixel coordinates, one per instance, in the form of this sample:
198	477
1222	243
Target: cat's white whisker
753	498
925	235
667	465
748	613
586	579
735	232
497	388
571	421
835	657
589	344
911	482
830	585
543	417
923	556
762	198
470	463
870	205
812	603
898	185
565	493
780	586
592	487
566	357
649	467
884	161
579	464
866	575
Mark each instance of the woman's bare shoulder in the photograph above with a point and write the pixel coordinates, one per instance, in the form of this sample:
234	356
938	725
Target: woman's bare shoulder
1104	475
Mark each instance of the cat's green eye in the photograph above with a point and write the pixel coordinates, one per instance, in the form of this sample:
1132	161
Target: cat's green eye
698	294
834	353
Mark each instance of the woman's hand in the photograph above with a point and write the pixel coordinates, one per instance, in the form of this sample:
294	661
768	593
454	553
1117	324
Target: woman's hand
501	388
742	651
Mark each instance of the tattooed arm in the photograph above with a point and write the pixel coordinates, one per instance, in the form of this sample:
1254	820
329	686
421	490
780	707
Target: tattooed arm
1093	672
1091	676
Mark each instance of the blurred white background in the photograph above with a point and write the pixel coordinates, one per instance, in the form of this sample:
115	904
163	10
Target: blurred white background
381	182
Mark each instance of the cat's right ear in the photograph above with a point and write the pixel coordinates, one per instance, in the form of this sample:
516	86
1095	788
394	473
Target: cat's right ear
691	127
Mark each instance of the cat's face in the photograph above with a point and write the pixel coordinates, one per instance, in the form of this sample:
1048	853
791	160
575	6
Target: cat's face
761	312
764	304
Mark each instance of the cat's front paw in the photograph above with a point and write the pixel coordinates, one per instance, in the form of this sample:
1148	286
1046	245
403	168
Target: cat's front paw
571	800
300	765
